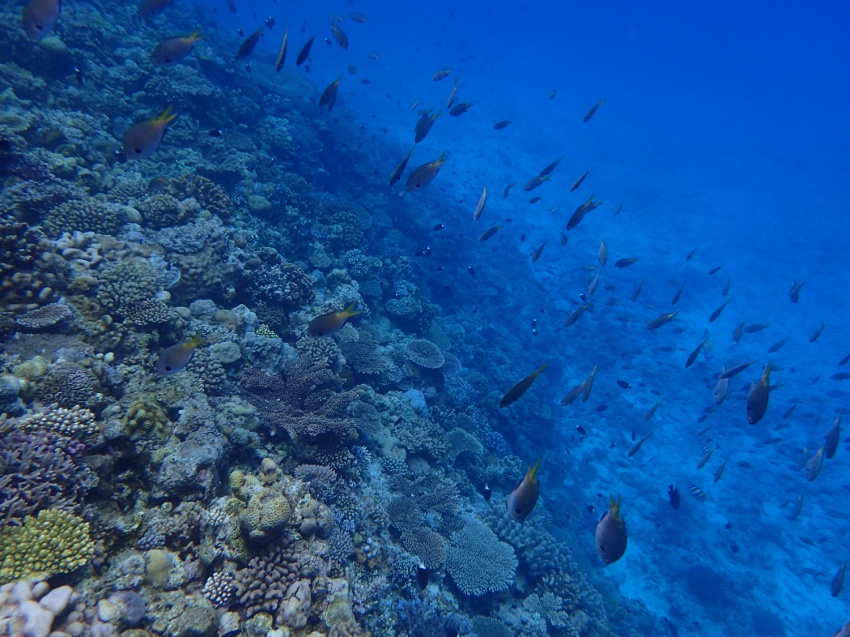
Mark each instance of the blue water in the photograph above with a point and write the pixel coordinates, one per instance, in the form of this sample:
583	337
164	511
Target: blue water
723	130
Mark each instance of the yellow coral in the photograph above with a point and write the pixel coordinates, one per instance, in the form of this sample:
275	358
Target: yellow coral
53	542
266	331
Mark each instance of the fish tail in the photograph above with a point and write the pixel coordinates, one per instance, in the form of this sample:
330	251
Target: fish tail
196	341
442	159
167	116
540	369
350	311
532	470
766	374
614	506
195	35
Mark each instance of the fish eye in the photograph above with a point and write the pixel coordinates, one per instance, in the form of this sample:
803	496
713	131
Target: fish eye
138	151
518	511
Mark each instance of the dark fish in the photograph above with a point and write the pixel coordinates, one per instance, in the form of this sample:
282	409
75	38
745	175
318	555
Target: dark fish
521	501
508	188
581	430
738	331
777	345
716	313
798	507
844	361
719	473
619	209
593	110
424	174
564	238
328	97
575	185
514	393
471	270
837	583
637	290
537	252
422	576
150	8
143	138
626	262
78	74
439	226
832	438
651	411
840	376
215	132
339	36
758	397
730	373
441	74
678	294
611	537
675	498
601	408
691	254
636	447
790	411
304	53
358	17
423	126
725	290
814	465
570	397
794	293
460	109
281	54
489	233
663	319
231	6
502	124
332	322
715	270
756	327
696	492
40	16
706	456
550	168
587	385
534	182
452	96
175	50
575	316
581	211
247	47
692	357
623	384
269	22
534	200
175	358
816	334
400	169
479	207
552	93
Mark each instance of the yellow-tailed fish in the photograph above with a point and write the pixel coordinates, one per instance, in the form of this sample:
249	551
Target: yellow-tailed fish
832	438
489	233
328	97
304	53
678	294
731	373
794	294
175	50
400	168
175	358
778	345
837	583
522	499
575	185
479	207
534	182
281	54
143	138
814	465
550	168
725	290
602	253
508	189
706	457
636	447
249	44
424	174
575	316
719	473
40	17
716	313
651	411
452	96
423	126
358	17
537	252
332	322
692	357
637	291
514	393
591	288
339	36
571	395
593	110
816	334
721	389
460	109
610	534
658	321
581	211
587	385
758	397
441	74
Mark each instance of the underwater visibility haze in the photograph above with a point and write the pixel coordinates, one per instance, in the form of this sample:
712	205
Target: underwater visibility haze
424	319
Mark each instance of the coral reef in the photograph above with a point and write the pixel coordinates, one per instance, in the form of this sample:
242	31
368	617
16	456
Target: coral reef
478	562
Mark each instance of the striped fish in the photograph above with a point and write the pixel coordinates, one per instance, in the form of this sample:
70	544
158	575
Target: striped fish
698	493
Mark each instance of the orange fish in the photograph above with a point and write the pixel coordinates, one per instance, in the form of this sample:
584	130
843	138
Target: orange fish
143	138
40	17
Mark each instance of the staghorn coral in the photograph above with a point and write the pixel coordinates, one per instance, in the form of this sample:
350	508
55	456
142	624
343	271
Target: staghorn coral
44	317
125	283
425	354
478	562
76	422
490	627
50	543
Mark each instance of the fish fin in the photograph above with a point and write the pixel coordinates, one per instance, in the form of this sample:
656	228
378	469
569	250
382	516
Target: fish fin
532	471
442	159
197	340
614	505
348	311
195	35
539	370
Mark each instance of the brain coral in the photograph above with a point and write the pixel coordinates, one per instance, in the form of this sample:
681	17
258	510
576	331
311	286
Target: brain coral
265	517
425	354
478	562
67	385
53	542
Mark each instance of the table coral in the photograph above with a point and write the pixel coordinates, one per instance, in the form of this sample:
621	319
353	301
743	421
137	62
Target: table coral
425	354
478	562
51	543
44	317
